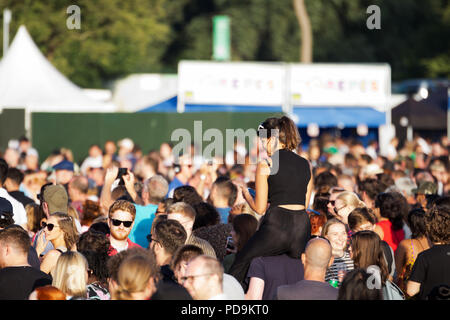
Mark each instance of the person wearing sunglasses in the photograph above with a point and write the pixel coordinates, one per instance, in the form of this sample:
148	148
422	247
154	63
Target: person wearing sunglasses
121	221
334	193
61	231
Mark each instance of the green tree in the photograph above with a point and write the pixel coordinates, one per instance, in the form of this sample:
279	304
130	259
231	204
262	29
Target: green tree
116	37
122	37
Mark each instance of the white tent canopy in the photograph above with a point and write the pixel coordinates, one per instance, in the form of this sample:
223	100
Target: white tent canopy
28	80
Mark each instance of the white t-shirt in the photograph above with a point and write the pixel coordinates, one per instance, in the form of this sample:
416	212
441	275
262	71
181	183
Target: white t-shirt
19	213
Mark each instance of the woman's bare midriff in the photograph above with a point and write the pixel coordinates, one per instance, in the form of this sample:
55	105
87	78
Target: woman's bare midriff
292	206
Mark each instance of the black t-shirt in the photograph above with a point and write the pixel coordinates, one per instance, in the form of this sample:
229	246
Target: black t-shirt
432	268
289	178
168	288
307	290
21	197
275	271
17	283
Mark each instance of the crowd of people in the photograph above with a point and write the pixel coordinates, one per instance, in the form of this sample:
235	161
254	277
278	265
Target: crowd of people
336	221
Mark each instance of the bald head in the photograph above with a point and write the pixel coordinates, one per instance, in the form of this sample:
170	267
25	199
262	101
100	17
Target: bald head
208	265
205	276
318	253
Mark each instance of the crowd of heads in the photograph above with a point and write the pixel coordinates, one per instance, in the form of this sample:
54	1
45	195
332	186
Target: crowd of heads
78	217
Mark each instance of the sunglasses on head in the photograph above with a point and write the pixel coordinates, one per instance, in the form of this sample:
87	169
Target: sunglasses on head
117	223
49	226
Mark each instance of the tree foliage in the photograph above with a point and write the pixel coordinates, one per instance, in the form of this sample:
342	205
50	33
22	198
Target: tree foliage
120	37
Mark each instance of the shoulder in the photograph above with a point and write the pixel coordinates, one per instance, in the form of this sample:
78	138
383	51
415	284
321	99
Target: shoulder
286	289
298	158
150	208
263	164
53	254
434	252
257	262
379	228
404	245
131	244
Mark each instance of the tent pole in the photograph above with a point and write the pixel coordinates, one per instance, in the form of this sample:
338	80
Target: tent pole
448	113
6	21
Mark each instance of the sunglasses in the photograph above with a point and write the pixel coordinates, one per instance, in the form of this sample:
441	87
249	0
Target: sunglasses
150	239
117	223
336	210
49	226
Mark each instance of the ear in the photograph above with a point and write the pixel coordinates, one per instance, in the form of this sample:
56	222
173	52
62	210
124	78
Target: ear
303	257
157	247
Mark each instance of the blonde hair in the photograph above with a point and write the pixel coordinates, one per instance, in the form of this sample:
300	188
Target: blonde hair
71	211
351	199
134	275
183	208
328	224
70	274
34	217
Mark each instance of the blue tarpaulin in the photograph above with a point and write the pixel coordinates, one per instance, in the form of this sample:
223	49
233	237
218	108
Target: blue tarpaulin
334	116
323	116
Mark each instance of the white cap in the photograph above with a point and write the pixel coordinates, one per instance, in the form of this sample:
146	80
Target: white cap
372	169
126	143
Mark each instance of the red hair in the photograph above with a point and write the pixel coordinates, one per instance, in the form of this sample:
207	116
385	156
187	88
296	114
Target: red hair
49	293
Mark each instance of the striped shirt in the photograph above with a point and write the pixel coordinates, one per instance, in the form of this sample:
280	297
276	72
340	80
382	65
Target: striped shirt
342	263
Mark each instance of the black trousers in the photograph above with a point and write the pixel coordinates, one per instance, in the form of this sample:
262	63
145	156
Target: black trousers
281	231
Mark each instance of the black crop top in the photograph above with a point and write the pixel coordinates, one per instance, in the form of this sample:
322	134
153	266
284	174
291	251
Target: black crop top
288	184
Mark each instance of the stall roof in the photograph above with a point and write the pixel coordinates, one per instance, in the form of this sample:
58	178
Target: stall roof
324	116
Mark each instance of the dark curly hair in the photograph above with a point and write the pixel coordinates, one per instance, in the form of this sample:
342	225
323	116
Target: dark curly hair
391	207
416	222
324	181
170	234
206	215
94	245
437	222
372	187
187	194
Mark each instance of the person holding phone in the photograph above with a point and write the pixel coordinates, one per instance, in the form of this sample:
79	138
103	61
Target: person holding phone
284	182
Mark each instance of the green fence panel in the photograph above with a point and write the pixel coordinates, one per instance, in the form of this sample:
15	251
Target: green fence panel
12	126
77	131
